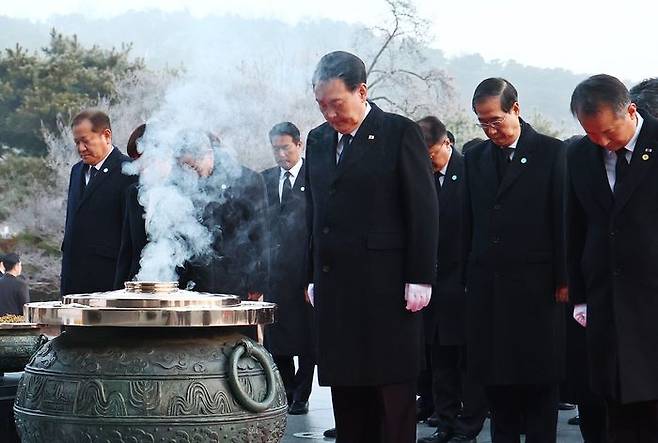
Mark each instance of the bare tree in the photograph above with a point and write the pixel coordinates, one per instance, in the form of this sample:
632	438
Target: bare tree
400	75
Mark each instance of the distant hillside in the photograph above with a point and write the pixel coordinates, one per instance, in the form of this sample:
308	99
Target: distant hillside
173	39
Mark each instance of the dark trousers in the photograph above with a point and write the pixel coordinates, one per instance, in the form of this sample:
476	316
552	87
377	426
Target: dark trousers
425	380
514	406
460	404
632	422
591	410
375	414
298	384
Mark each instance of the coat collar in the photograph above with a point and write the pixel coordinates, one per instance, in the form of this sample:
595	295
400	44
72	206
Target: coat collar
646	149
452	176
367	137
522	157
112	163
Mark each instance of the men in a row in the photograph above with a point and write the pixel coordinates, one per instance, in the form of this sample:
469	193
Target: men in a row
293	332
373	221
14	292
515	276
459	404
611	236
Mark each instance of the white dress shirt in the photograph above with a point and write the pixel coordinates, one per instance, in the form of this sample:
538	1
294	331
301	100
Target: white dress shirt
513	147
98	167
610	158
339	146
294	172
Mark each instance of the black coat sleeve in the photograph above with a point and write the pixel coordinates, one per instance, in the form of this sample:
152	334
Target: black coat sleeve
24	294
421	207
467	223
126	250
309	212
576	232
559	197
258	236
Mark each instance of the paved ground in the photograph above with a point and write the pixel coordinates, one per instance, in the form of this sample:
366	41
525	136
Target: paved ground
320	417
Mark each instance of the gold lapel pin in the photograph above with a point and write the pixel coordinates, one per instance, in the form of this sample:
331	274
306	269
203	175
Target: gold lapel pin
645	157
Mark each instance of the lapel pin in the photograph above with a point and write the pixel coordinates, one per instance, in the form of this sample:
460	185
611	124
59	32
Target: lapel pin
371	137
524	160
302	189
454	178
645	157
648	149
224	187
105	170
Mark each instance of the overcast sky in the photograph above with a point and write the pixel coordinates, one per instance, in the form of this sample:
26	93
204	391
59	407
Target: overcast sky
585	36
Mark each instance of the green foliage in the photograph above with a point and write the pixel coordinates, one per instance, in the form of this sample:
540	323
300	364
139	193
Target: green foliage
61	79
26	240
18	176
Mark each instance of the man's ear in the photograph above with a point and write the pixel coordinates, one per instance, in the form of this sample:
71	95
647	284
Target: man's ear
363	91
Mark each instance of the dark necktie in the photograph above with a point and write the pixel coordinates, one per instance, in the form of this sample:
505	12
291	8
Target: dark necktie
437	180
505	158
345	142
621	168
287	189
92	173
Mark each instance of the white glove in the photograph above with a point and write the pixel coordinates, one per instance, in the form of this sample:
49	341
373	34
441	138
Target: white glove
580	314
417	296
309	293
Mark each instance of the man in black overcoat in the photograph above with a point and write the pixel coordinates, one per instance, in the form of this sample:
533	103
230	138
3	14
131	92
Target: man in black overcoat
373	220
14	292
515	277
293	332
459	404
133	234
95	208
234	205
612	214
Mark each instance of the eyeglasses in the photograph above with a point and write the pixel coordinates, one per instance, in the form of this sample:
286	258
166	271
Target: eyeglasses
493	124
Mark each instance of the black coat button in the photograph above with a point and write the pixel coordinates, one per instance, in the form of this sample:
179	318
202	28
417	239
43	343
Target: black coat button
326	268
325	230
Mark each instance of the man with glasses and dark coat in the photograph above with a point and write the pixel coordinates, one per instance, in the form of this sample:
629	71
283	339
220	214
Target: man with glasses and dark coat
459	404
515	276
373	219
612	214
95	208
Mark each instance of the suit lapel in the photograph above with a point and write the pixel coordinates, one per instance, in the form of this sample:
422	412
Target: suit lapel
300	182
522	156
327	152
272	178
487	166
599	180
450	180
76	185
366	137
111	163
642	160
